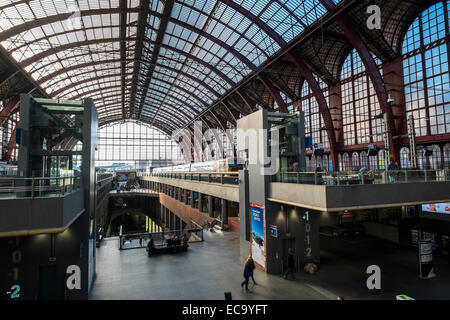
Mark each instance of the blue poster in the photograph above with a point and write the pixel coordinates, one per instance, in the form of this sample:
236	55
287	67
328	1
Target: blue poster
258	245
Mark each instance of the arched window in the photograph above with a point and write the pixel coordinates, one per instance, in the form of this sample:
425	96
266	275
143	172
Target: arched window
131	141
317	162
446	151
373	162
308	163
364	160
360	108
314	124
355	161
426	73
435	159
340	163
405	162
421	159
381	160
325	162
345	162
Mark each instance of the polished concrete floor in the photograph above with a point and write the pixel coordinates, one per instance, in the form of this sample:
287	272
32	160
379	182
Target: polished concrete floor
213	267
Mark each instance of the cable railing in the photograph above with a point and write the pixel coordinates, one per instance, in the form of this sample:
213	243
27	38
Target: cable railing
362	177
231	178
18	187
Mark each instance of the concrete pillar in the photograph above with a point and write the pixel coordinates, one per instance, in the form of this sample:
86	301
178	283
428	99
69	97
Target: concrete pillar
200	202
185	197
192	199
177	223
310	227
224	212
244	214
211	206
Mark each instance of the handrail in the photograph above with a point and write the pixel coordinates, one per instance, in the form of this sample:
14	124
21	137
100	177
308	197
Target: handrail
363	177
20	187
229	178
203	172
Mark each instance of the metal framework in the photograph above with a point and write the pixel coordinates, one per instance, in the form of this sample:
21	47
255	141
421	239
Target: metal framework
171	63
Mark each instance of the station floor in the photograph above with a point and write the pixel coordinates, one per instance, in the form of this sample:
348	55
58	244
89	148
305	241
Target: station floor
213	267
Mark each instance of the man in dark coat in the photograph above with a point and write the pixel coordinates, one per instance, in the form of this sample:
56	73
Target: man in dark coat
248	269
290	264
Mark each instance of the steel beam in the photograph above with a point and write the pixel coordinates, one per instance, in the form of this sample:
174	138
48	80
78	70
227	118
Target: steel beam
11	144
123	46
163	22
353	35
304	71
7	110
269	86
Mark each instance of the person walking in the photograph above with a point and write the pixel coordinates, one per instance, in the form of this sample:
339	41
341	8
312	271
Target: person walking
253	268
392	167
150	246
290	265
247	273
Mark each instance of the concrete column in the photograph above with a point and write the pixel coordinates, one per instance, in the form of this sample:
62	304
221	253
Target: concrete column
244	214
192	199
224	212
185	197
168	218
177	223
211	206
200	202
310	229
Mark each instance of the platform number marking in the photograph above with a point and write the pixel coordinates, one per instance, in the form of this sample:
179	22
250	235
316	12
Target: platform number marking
16	258
308	249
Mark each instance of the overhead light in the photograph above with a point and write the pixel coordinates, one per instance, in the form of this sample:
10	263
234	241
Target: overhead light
390	99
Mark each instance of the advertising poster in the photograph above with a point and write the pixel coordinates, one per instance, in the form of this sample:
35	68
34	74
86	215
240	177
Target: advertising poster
437	208
257	243
426	259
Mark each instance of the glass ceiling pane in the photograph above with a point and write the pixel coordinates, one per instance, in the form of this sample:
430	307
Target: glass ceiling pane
79	55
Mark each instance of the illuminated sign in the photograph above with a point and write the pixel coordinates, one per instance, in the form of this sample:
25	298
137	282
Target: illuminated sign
437	208
257	244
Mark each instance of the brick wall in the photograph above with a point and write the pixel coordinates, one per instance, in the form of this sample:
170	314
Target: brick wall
184	212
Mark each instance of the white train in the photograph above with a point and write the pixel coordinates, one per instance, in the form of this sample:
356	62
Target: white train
222	165
7	169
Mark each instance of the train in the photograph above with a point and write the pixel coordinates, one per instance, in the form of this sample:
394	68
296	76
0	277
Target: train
221	165
7	169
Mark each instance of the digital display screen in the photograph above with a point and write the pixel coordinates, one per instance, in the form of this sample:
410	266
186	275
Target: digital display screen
437	208
258	247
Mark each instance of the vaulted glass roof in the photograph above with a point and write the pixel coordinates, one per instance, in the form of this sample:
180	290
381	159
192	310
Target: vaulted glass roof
163	63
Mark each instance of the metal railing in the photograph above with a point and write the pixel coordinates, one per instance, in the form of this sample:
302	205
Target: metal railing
362	177
17	187
104	178
140	240
210	177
